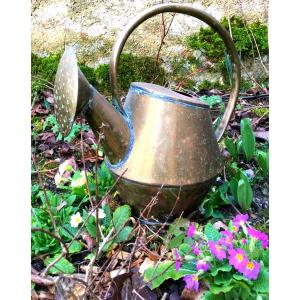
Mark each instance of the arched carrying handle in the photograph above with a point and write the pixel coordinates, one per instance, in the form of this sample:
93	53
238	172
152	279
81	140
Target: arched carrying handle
194	12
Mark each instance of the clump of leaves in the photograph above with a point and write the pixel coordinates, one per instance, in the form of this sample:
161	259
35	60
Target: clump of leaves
245	144
233	262
51	123
213	46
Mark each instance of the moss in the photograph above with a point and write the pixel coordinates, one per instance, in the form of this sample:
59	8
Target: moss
131	68
261	111
213	46
43	70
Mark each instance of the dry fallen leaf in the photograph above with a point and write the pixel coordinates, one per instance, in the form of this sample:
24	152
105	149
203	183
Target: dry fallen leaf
147	263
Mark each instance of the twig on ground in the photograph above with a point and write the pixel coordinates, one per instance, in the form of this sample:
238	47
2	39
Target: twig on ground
64	249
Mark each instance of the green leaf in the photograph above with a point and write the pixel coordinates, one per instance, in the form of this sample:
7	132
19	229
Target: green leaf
263	162
91	228
244	194
215	289
70	200
108	218
211	233
126	233
223	278
75	247
262	282
63	265
225	268
211	296
158	274
121	215
178	226
248	138
240	277
184	249
176	241
233	184
231	147
211	100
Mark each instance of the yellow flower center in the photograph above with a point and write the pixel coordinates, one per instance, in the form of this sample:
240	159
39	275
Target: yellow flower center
218	248
240	257
78	219
228	240
250	265
195	277
235	229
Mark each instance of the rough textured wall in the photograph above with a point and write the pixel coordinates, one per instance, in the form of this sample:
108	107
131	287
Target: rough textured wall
92	25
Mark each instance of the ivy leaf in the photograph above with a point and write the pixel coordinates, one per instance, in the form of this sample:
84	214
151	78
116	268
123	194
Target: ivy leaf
121	215
63	265
211	232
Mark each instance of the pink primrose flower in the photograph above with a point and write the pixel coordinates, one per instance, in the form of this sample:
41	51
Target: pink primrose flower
191	282
227	238
202	265
196	250
177	259
191	230
238	259
243	241
251	270
259	235
217	250
240	220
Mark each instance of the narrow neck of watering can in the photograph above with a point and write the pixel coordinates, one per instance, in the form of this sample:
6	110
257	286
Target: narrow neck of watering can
109	126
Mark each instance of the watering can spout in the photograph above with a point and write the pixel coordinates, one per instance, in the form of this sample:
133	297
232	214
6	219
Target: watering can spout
74	95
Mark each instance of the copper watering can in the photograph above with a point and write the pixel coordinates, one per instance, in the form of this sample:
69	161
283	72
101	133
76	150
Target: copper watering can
161	142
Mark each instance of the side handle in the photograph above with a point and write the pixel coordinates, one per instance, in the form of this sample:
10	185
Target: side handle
194	12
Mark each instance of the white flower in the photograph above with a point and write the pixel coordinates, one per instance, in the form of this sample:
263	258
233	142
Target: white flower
79	181
101	213
65	166
76	220
58	179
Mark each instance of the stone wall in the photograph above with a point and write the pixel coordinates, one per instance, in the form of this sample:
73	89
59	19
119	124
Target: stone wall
92	26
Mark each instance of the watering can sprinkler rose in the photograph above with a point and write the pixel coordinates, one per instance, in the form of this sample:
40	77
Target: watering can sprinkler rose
160	142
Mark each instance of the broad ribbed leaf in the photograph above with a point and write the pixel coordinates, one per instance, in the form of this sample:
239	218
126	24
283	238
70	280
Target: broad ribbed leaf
63	265
121	215
211	232
158	274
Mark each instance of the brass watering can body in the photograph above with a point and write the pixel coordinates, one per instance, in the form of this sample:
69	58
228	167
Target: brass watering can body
161	143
